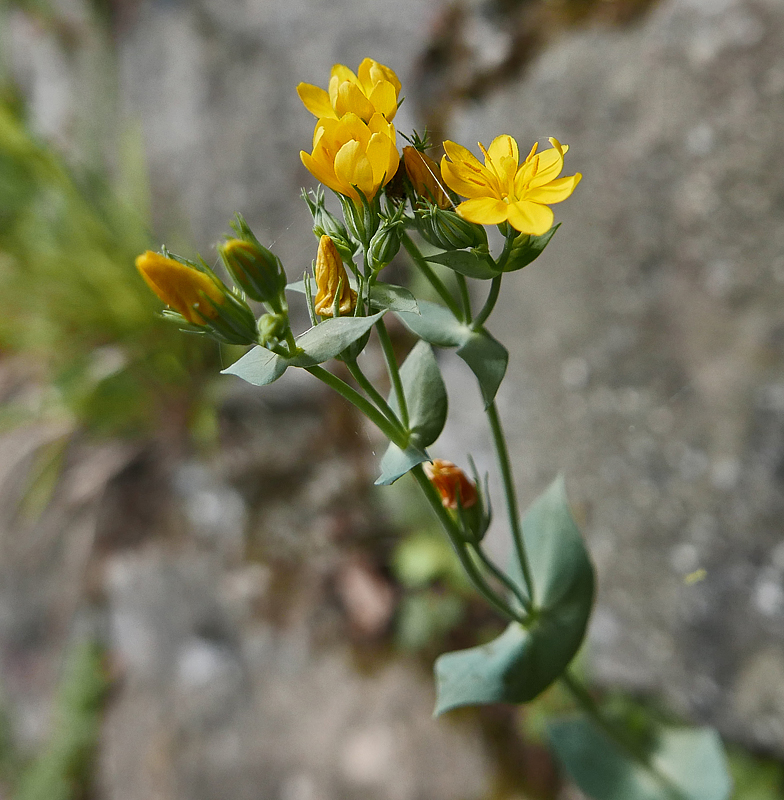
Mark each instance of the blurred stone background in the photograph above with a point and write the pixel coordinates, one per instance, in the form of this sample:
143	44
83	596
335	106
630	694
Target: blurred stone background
245	597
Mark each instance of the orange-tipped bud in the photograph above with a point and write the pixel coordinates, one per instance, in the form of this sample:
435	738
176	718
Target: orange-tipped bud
425	176
181	287
452	483
331	277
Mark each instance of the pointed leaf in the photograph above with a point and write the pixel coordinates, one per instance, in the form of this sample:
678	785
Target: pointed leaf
396	462
524	661
330	338
528	250
425	395
487	358
393	298
258	366
673	764
470	263
435	324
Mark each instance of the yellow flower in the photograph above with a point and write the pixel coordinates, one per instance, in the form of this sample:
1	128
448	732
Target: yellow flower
350	155
183	288
425	176
331	274
451	482
505	191
374	89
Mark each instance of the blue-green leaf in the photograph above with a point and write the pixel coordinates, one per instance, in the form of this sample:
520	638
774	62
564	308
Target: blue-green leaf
435	324
486	356
330	338
425	395
471	263
393	298
527	249
672	764
524	661
396	462
261	366
258	366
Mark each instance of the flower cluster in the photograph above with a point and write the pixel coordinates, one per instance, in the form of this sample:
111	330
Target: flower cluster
354	142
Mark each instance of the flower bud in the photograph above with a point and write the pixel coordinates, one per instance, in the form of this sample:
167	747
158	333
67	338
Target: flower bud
425	177
384	245
256	270
452	484
332	282
325	223
448	230
192	294
362	217
198	299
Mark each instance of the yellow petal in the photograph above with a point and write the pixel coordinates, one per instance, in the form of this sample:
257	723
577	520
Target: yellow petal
457	153
315	99
321	172
555	191
342	73
466	181
501	147
351	99
532	218
383	157
353	169
370	72
384	99
484	210
549	164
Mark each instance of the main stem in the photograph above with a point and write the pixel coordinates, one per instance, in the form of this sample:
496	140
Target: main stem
365	384
505	467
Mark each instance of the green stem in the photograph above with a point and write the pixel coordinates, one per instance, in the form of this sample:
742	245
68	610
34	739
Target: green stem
511	497
476	577
373	393
365	406
465	298
394	372
508	242
586	702
431	276
487	308
502	577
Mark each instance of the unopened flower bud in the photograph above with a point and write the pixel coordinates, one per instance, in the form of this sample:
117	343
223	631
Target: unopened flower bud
425	177
448	230
332	281
192	294
326	223
198	299
256	270
362	217
385	244
452	484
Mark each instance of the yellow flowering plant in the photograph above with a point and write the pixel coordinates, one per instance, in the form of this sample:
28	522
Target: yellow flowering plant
546	594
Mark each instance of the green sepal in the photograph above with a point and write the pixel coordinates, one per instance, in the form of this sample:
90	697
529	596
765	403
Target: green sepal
396	462
523	661
672	764
321	343
527	248
471	263
486	356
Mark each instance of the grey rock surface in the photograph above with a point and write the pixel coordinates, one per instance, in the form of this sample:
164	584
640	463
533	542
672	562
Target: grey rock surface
646	345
